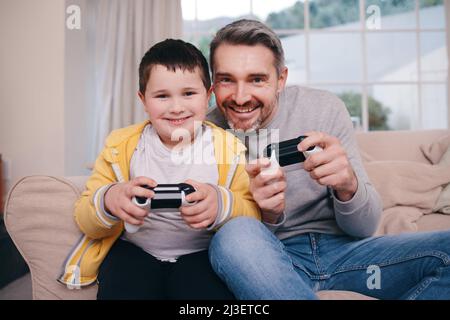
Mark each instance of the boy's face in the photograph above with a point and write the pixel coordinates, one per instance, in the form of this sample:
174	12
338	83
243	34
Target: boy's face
174	100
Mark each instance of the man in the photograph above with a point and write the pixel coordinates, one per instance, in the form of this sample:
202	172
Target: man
319	216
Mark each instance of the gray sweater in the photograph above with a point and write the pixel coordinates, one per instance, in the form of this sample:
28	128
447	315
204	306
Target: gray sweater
311	207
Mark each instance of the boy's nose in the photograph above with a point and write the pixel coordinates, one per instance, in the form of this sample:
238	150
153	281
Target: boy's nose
176	107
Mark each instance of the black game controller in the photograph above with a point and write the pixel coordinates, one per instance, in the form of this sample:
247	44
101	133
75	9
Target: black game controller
286	152
167	198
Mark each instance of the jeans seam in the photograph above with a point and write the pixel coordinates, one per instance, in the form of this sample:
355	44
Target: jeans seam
437	254
295	265
425	285
315	253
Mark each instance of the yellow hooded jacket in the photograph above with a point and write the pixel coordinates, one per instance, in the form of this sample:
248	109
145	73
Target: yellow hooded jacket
100	231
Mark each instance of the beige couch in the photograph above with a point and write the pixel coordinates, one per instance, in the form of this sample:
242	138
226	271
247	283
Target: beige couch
38	214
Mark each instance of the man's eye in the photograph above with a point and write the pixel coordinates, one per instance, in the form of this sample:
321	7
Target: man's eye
258	80
225	80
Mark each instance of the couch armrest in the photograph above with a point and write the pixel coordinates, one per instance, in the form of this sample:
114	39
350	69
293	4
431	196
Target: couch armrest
39	219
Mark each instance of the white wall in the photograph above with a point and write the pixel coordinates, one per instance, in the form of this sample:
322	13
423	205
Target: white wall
32	86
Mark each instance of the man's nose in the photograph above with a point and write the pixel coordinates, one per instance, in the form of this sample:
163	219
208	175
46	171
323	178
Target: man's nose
242	95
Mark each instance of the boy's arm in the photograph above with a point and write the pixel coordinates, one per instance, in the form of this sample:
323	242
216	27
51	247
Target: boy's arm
243	202
89	210
237	200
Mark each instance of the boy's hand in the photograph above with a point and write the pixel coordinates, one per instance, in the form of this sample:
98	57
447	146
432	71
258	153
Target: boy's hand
118	200
204	212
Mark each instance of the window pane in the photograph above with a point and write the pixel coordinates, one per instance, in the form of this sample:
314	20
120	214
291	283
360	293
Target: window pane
280	14
335	57
434	61
393	13
188	9
201	41
294	53
392	56
398	103
326	14
352	97
432	14
434	107
207	9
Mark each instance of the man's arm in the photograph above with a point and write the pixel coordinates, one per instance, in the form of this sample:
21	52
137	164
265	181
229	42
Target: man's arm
339	167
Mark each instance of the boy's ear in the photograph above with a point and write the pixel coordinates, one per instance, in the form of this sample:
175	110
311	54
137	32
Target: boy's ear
210	91
141	96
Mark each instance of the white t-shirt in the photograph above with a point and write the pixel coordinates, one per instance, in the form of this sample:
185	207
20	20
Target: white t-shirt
165	235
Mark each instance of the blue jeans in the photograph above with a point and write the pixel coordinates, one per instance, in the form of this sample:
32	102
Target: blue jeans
255	264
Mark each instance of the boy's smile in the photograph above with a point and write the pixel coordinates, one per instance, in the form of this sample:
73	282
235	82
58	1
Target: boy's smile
174	100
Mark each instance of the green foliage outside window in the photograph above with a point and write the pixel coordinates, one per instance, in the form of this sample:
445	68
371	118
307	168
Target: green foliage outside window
378	113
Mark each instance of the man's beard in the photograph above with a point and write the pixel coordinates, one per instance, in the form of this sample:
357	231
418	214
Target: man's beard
255	126
251	104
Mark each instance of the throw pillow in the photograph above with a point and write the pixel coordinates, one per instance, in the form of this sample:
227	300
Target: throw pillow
443	202
436	150
407	183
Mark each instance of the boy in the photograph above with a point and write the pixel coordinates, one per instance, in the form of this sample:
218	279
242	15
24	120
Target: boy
167	258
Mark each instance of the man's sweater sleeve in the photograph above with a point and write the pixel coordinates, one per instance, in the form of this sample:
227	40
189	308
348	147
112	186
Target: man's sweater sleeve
360	216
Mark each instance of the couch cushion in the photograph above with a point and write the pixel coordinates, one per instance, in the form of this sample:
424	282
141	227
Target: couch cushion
39	218
342	295
433	222
397	145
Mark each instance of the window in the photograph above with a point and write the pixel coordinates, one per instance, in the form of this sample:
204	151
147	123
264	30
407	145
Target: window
387	59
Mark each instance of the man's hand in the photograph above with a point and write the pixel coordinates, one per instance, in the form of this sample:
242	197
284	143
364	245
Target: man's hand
331	166
118	200
267	189
204	212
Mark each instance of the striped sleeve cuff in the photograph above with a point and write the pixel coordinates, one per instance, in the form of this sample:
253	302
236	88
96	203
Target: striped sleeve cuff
105	218
224	206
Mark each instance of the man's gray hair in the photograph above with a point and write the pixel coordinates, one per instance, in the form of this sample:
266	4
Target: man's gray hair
251	33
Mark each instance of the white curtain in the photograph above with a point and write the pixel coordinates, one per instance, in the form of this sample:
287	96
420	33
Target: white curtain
123	30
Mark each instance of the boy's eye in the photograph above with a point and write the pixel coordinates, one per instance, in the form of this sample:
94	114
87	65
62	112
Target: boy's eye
161	96
189	93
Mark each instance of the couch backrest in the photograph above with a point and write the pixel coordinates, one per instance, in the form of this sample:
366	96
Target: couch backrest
397	145
39	218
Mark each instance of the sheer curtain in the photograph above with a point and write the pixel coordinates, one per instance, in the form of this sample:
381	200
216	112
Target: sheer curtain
122	31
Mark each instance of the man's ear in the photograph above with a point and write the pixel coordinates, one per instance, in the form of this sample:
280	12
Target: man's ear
282	78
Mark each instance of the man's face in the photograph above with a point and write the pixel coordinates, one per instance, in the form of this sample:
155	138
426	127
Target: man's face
246	85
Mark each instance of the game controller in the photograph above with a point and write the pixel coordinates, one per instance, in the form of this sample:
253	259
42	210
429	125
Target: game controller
167	198
286	152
